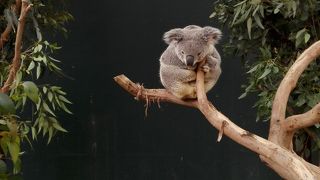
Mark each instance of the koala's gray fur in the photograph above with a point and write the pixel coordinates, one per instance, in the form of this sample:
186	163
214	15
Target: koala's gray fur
187	48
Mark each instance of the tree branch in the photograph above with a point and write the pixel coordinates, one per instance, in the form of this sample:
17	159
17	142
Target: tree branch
304	120
277	133
25	7
150	95
285	163
275	156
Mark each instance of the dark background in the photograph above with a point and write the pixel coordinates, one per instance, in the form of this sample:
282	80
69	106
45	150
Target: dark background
109	136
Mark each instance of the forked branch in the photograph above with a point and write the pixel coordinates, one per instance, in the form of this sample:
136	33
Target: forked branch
276	152
280	130
280	158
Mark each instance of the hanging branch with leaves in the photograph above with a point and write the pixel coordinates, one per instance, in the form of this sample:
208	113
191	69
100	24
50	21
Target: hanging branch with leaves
26	57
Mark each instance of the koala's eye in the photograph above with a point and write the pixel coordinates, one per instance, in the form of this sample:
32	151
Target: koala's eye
199	53
182	52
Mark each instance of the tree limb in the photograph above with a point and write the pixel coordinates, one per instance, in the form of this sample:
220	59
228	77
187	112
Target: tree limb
285	163
152	95
25	7
277	133
304	120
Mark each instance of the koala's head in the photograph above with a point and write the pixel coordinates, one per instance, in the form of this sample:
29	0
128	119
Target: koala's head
192	43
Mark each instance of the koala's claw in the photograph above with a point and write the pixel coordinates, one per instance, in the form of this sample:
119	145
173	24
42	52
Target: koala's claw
205	68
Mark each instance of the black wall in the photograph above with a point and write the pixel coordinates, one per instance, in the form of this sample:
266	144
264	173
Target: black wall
109	136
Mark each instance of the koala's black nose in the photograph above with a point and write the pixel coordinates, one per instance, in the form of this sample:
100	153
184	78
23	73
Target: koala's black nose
190	60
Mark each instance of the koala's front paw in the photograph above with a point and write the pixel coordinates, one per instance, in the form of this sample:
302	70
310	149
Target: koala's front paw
206	68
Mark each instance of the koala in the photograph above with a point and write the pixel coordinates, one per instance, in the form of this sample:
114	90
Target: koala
188	47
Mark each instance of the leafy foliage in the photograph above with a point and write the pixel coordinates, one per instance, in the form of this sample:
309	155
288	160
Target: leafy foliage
27	93
269	35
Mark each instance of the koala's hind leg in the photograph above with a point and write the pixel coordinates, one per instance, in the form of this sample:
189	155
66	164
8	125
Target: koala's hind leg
180	82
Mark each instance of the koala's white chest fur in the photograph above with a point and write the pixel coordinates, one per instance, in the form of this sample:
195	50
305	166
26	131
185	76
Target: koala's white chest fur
187	48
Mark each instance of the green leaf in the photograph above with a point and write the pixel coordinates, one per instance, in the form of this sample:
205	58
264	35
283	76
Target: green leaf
46	107
301	100
300	37
306	38
256	10
50	96
277	9
212	15
38	70
258	21
265	73
253	69
31	66
237	10
299	33
38	48
17	169
63	106
44	89
62	98
249	26
58	127
242	2
242	95
6	105
31	90
34	133
50	134
261	9
4	144
294	8
14	148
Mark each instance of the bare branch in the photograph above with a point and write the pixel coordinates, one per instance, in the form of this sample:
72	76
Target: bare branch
277	134
25	7
284	162
152	95
302	120
276	157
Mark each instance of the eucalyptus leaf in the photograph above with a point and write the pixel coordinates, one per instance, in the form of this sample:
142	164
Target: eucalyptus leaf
6	105
265	73
46	108
14	148
58	127
31	90
249	26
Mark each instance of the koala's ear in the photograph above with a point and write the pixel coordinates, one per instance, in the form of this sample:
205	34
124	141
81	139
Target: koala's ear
173	35
211	34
